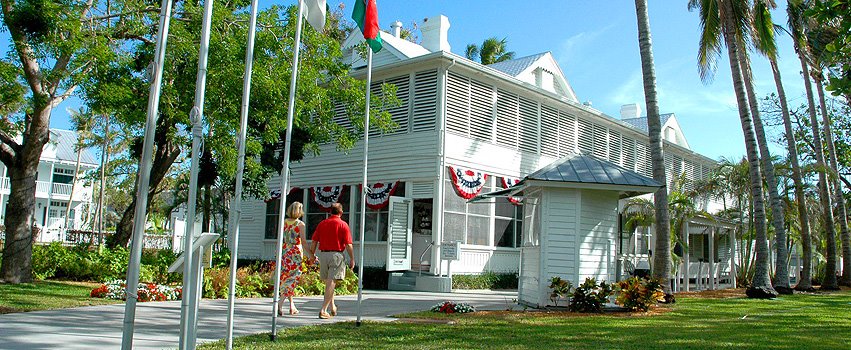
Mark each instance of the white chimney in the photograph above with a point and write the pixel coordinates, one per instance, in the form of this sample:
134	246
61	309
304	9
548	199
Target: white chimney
396	28
434	32
629	111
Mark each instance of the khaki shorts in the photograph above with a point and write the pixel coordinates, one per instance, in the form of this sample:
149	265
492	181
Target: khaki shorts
332	266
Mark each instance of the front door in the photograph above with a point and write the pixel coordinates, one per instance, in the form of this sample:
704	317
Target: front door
399	222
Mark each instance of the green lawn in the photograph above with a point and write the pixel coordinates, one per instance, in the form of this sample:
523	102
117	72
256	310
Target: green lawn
791	322
46	295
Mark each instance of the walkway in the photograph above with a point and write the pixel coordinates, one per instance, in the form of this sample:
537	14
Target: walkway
157	323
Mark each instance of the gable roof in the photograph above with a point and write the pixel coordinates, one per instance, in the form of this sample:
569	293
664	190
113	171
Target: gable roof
516	66
399	48
641	123
66	150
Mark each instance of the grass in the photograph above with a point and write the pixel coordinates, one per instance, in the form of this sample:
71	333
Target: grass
800	321
47	295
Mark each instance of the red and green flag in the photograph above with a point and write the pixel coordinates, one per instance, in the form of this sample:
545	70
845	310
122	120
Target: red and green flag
365	15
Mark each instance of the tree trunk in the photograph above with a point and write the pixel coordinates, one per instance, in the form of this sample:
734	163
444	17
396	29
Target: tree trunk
662	253
839	198
781	273
165	155
205	221
104	160
761	285
824	193
17	251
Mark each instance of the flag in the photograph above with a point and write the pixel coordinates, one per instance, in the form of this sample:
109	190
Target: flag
314	12
365	15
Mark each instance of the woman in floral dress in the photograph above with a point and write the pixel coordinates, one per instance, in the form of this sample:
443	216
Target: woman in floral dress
292	257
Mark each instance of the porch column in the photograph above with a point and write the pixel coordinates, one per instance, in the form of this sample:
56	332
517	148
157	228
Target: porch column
712	258
686	256
733	273
46	227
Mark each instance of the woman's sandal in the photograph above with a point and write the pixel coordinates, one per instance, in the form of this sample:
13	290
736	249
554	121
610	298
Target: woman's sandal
293	312
333	310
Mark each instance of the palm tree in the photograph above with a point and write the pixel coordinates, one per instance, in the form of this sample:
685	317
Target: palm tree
662	256
491	51
763	34
728	21
81	122
798	27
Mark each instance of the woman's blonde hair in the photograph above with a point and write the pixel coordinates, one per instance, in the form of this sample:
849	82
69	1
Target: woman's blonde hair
295	210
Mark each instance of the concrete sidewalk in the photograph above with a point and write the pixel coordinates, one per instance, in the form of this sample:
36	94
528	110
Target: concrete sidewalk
158	323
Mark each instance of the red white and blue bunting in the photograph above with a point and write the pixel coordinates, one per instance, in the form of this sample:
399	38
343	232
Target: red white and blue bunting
325	196
379	194
275	194
468	183
508	182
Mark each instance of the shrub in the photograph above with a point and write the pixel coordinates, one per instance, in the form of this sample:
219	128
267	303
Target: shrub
590	296
216	283
486	280
560	289
639	294
47	259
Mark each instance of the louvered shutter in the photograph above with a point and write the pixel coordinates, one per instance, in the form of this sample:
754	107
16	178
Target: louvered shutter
481	111
399	233
506	118
425	101
458	104
550	131
528	125
567	134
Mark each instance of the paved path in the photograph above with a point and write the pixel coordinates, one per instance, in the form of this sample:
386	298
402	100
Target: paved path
157	323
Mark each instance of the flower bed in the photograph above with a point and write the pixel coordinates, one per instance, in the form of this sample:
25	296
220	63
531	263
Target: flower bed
146	291
451	307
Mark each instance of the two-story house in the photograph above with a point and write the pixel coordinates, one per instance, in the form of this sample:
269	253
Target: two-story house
54	182
462	127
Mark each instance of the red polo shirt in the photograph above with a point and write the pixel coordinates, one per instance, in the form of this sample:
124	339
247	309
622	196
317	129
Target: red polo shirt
333	234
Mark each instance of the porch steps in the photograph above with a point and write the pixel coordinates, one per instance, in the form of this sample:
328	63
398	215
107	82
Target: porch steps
414	281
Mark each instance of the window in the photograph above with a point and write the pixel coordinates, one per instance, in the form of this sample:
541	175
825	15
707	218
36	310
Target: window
273	208
532	217
508	224
314	214
375	228
466	222
63	176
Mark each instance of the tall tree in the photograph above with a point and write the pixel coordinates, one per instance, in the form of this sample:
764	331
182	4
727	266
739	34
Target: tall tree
492	50
53	46
798	27
662	256
762	28
728	20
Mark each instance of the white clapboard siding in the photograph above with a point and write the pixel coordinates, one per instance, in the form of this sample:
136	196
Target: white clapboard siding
252	226
491	158
560	208
598	227
391	157
424	107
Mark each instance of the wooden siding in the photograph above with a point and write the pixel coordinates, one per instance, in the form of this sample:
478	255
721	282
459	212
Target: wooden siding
252	225
559	237
530	276
598	227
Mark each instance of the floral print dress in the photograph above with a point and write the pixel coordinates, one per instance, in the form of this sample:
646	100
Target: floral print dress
291	259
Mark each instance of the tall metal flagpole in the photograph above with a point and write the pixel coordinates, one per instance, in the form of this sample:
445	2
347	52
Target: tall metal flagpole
236	205
364	188
189	304
285	173
144	179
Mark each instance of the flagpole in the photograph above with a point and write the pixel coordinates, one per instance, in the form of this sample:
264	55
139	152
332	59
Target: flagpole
285	173
236	205
192	273
144	179
364	188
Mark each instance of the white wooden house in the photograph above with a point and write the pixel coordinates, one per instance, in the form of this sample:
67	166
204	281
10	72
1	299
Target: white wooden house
53	187
461	124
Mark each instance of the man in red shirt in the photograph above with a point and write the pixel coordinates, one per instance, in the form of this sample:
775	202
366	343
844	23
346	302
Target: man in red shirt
332	236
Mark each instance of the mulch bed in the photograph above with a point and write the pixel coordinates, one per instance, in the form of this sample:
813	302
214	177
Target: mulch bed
713	294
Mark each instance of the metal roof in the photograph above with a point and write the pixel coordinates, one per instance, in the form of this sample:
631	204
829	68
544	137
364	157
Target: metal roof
516	66
587	169
641	123
66	141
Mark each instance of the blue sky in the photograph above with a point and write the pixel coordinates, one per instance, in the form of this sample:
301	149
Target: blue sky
596	46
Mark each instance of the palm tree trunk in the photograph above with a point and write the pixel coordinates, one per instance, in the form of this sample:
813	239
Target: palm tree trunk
104	160
73	184
823	189
839	198
805	280
781	273
662	256
761	285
